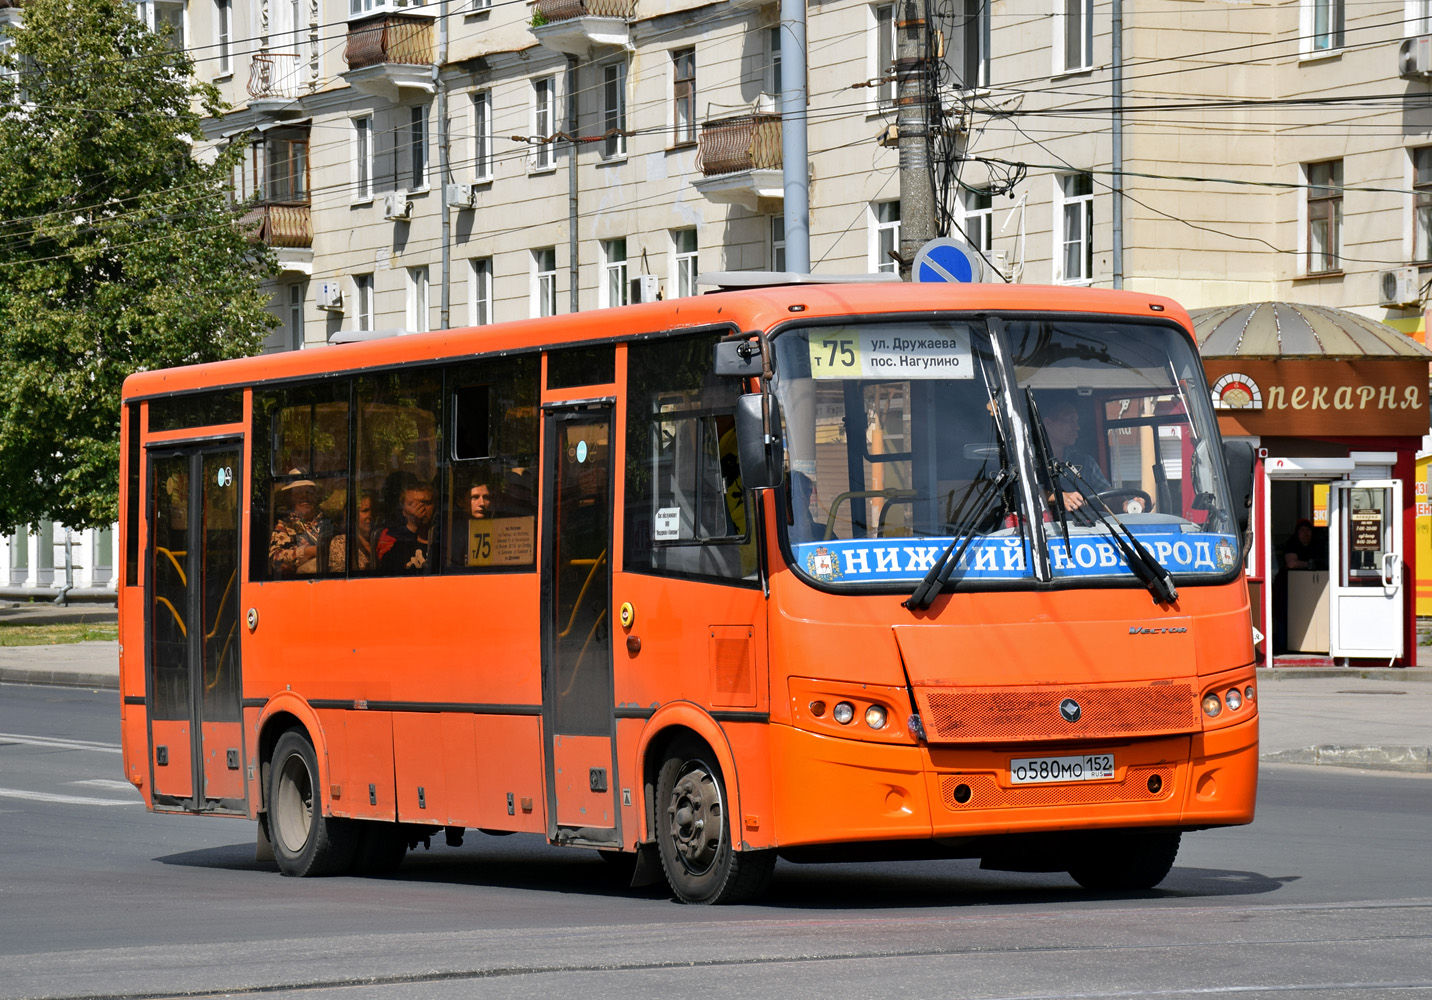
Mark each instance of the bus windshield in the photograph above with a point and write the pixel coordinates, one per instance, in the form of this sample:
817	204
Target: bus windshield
1032	450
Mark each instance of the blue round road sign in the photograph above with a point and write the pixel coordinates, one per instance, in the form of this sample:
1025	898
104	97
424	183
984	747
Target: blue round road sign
947	259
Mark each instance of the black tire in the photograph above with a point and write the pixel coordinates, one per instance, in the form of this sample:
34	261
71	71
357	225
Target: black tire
305	842
1126	862
701	866
381	848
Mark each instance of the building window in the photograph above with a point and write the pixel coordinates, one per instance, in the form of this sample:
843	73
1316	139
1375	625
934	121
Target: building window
1074	35
1418	18
479	291
973	44
614	108
363	301
363	6
295	317
886	233
773	72
363	159
683	96
418	146
482	135
614	273
1324	216
1422	204
1322	25
683	247
1076	224
778	243
285	171
418	299
544	281
543	117
882	52
223	35
169	19
978	211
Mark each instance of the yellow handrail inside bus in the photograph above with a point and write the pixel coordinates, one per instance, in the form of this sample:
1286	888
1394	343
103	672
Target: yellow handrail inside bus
183	553
577	604
179	621
220	612
222	653
577	668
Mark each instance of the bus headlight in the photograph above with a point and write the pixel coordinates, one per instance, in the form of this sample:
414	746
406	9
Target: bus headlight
1212	706
1234	699
875	717
843	713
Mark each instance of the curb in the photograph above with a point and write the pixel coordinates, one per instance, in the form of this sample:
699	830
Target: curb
1411	760
1400	674
59	678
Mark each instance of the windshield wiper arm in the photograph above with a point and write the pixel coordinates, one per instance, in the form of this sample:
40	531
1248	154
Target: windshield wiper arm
1044	454
934	581
1141	561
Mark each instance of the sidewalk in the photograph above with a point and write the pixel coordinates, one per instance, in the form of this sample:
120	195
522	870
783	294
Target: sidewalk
1377	719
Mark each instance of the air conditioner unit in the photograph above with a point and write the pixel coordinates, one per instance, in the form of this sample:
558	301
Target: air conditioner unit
1414	58
1399	286
397	207
644	288
461	196
329	296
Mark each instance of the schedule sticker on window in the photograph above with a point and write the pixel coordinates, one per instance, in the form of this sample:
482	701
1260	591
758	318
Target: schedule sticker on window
845	353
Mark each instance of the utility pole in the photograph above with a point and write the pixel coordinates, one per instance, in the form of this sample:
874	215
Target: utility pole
445	293
795	158
914	91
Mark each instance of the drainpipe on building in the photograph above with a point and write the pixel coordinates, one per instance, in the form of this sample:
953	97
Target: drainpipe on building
912	118
795	157
445	309
573	271
1117	59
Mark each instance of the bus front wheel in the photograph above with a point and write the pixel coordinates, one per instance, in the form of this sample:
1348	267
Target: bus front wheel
1127	862
305	842
694	833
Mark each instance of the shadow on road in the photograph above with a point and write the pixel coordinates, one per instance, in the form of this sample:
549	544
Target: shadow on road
510	863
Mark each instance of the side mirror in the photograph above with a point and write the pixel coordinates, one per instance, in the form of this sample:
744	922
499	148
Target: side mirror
1238	460
762	461
736	359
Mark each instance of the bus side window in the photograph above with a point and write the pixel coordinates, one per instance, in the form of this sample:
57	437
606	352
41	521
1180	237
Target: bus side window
300	480
398	434
685	508
491	515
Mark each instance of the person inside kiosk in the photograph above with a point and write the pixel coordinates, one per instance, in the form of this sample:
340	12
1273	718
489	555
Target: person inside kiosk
1299	552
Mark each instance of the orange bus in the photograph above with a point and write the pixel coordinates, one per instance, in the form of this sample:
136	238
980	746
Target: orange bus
816	571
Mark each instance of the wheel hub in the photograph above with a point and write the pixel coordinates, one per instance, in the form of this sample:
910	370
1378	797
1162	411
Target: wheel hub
695	811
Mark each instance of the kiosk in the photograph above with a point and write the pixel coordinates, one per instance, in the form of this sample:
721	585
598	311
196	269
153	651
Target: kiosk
1336	405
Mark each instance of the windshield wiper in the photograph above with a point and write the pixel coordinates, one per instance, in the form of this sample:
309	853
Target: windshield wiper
1141	561
934	581
1044	454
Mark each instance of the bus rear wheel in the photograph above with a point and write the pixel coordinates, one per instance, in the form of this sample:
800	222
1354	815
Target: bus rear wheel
694	833
305	842
1127	862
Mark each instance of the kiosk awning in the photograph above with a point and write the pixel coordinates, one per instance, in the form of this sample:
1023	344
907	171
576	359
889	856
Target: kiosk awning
1286	330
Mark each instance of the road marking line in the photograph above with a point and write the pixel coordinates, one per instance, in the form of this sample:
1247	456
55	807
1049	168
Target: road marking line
113	784
61	744
69	800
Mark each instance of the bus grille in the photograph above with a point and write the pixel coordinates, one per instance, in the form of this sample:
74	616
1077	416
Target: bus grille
1021	714
987	793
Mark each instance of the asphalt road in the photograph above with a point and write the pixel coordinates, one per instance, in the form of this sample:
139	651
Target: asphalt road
1328	895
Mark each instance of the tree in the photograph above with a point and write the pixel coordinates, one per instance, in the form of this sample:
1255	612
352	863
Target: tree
119	251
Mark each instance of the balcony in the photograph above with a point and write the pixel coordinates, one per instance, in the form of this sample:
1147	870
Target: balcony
576	27
276	82
740	162
288	228
390	53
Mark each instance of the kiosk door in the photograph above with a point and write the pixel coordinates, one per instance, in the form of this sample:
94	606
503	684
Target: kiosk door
192	667
1365	550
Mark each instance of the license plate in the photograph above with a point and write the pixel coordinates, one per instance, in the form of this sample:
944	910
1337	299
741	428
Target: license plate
1088	767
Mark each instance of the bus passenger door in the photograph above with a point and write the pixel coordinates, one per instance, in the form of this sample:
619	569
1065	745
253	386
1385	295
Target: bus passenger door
192	629
1365	545
578	720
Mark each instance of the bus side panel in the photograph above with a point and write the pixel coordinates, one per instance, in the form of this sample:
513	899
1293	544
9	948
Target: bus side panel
363	767
755	826
509	774
420	768
176	777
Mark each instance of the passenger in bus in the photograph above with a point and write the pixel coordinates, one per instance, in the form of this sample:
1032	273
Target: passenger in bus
302	533
362	535
405	548
1061	423
481	506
